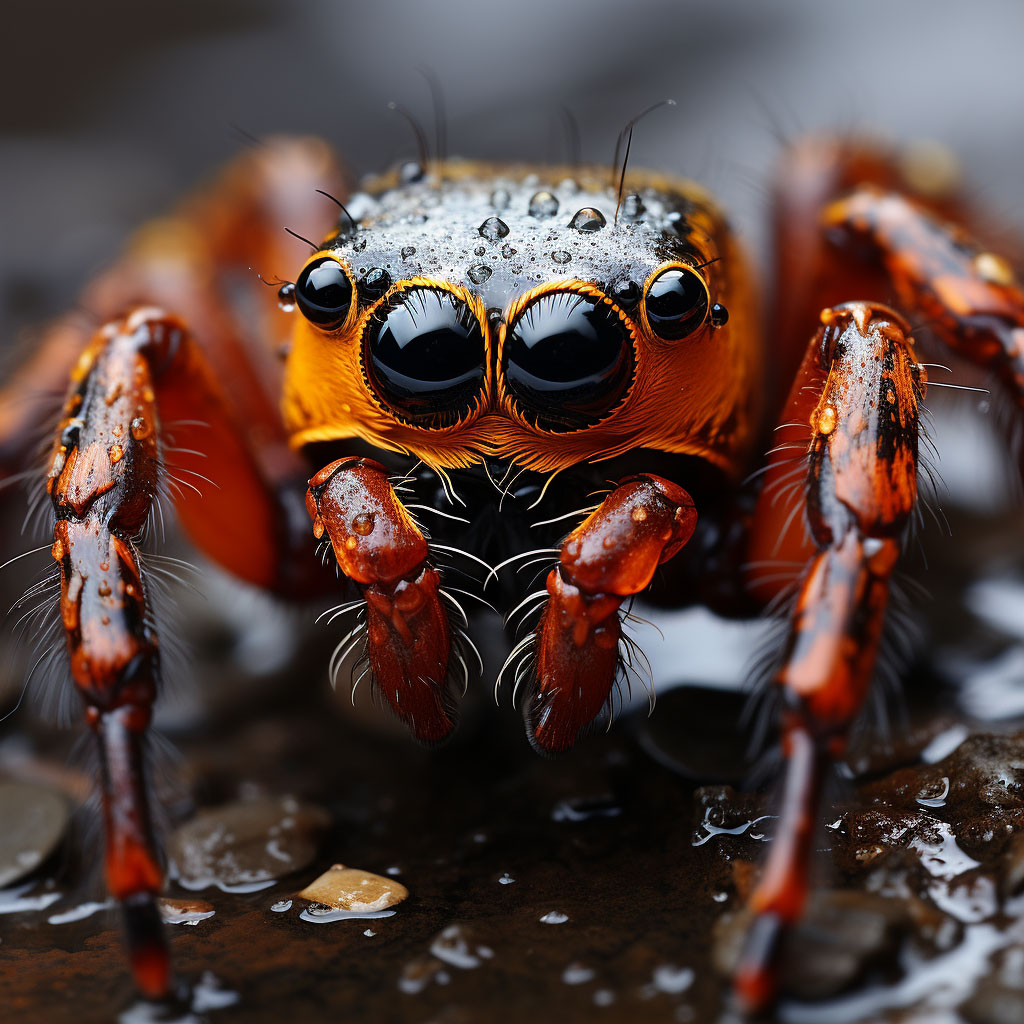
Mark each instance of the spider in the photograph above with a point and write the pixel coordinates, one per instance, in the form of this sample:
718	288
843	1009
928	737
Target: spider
485	347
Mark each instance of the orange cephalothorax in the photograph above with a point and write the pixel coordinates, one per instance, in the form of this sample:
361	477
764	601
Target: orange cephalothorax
475	313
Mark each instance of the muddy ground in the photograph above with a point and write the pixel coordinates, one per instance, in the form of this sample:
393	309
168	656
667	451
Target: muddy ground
605	885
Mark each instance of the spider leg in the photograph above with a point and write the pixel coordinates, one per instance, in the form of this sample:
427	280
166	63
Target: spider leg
860	491
613	554
202	262
380	548
968	295
106	470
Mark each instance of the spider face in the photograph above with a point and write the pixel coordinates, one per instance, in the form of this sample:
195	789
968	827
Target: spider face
471	312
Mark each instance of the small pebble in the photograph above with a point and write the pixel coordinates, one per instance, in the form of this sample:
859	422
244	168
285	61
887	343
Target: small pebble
250	843
34	819
353	889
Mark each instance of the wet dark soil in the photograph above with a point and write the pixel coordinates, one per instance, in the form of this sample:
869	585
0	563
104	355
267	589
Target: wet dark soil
598	886
608	884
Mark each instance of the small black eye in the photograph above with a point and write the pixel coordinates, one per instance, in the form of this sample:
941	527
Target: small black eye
323	293
676	303
567	360
425	356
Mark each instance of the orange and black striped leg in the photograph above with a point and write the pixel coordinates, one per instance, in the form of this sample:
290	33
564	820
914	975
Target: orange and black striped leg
610	556
380	548
102	483
859	492
968	295
107	469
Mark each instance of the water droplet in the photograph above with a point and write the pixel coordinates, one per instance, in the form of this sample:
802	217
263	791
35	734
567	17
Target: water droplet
369	933
351	543
569	185
480	250
104	589
375	282
507	251
363	523
826	420
286	297
719	315
116	453
561	256
500	198
993	269
554	917
577	974
479	273
506	879
493	228
407	251
588	219
542	204
626	293
281	906
411	172
140	428
632	207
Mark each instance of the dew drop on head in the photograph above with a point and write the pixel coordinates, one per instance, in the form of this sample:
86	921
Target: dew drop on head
493	228
542	204
588	219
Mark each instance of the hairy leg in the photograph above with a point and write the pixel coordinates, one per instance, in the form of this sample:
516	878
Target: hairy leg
106	472
380	548
860	489
200	262
612	555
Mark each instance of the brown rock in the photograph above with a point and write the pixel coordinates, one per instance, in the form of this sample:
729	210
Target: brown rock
34	819
247	843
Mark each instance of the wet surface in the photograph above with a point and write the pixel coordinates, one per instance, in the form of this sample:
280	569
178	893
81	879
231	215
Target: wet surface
600	883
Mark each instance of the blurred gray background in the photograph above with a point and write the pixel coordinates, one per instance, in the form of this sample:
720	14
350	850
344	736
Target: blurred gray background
113	108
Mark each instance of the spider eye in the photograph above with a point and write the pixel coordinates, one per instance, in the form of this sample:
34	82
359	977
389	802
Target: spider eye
568	360
676	303
425	356
323	293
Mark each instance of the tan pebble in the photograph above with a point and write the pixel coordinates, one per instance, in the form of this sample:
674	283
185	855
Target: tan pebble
353	889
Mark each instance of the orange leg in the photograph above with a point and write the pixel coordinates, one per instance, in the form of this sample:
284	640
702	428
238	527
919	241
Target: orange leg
200	262
106	472
967	294
812	272
379	547
860	490
611	555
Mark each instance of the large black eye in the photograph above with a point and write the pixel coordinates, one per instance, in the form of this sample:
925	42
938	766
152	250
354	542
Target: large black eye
426	356
568	360
676	303
323	293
